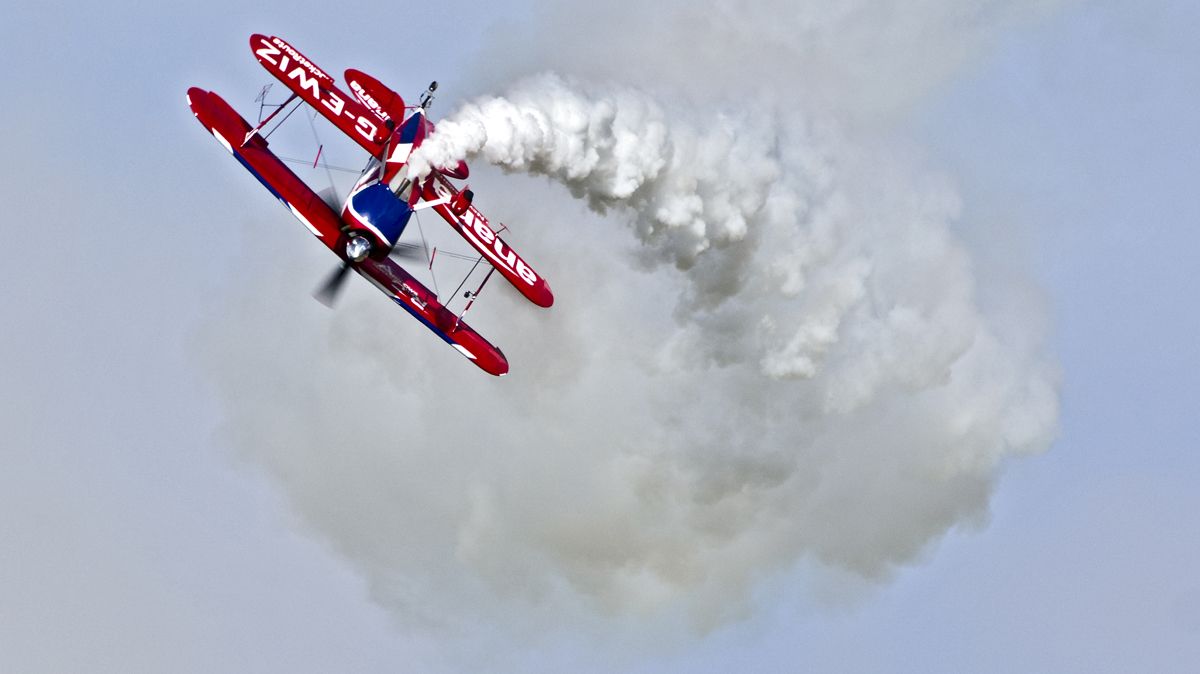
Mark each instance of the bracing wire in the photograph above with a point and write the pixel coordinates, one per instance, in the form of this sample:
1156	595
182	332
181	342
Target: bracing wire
428	259
464	281
305	162
285	118
328	173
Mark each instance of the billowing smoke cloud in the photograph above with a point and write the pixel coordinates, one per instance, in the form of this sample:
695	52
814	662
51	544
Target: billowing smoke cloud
786	362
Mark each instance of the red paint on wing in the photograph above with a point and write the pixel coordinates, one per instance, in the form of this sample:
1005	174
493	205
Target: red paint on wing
318	89
477	231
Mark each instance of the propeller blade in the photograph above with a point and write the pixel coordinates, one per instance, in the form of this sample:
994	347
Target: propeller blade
407	251
329	290
330	197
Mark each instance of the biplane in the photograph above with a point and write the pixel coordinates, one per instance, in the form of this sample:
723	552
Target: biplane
364	230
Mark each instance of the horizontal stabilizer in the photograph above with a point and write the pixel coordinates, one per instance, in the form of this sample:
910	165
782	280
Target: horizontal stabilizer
376	96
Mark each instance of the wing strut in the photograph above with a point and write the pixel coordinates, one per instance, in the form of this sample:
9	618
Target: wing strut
472	296
425	246
328	171
271	116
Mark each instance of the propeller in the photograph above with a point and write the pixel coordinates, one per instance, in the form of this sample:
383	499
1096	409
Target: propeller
329	290
330	196
328	293
407	251
357	250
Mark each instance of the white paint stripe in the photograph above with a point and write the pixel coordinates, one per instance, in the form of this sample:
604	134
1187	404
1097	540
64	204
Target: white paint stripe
463	350
400	152
305	222
221	140
430	204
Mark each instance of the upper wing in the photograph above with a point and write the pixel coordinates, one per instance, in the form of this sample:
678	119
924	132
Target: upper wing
366	126
474	227
230	129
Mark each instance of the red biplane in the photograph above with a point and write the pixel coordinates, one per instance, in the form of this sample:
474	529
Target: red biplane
365	230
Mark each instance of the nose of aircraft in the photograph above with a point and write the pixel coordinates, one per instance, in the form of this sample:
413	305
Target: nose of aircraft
376	209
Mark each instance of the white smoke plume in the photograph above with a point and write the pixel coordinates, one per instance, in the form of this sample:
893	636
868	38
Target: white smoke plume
787	363
695	187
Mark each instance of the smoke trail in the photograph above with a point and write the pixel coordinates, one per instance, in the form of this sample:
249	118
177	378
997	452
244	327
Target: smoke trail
688	188
791	364
816	271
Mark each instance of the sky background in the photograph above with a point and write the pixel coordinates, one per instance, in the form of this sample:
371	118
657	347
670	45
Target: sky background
133	537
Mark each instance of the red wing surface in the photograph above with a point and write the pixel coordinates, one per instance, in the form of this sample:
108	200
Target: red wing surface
474	227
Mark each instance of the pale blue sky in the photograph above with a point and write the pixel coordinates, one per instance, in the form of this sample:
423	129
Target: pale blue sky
132	540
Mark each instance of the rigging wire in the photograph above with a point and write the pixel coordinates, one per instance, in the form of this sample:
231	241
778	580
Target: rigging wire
439	252
299	103
425	245
305	162
464	281
328	173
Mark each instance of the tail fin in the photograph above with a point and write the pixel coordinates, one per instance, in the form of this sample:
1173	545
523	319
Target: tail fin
405	139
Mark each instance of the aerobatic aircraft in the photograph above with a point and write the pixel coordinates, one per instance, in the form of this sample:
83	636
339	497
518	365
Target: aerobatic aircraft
365	229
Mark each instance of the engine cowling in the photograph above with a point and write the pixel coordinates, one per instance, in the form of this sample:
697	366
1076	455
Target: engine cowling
378	214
